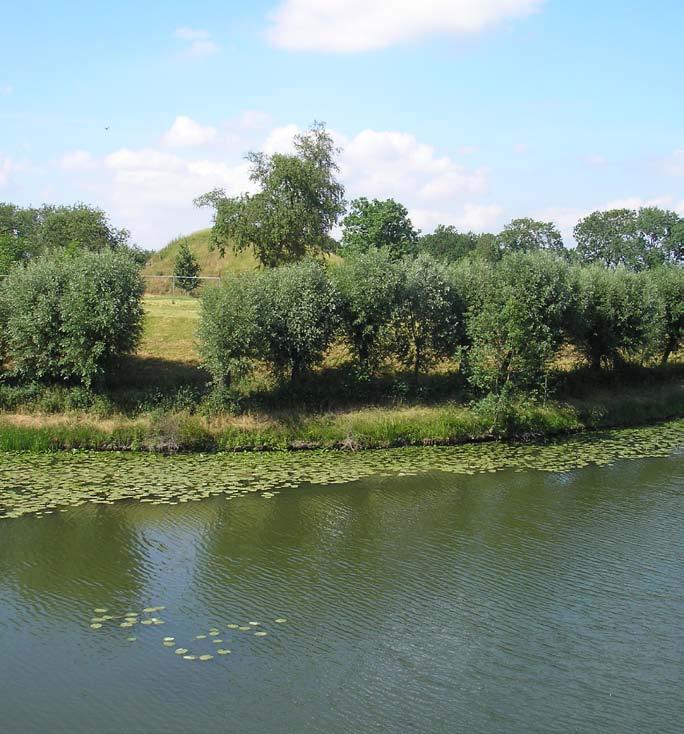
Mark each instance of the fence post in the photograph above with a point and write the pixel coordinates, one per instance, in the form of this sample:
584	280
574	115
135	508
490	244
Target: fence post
173	285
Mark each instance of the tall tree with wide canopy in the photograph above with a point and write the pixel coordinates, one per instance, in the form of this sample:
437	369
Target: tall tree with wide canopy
636	239
531	235
299	201
375	224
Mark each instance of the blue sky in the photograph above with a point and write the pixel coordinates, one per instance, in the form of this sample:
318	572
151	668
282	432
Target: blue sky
469	112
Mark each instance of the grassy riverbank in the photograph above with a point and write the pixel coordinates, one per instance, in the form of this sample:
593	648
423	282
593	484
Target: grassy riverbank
371	427
160	402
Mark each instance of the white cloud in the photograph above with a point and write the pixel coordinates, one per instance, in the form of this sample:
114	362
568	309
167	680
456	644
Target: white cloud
146	159
362	25
77	160
280	140
6	89
186	132
468	218
379	163
198	41
520	148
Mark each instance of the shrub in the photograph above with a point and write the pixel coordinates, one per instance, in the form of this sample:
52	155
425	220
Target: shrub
428	321
299	314
669	282
618	315
368	284
71	318
516	326
229	330
102	314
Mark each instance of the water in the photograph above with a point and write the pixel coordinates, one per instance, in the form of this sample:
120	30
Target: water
501	602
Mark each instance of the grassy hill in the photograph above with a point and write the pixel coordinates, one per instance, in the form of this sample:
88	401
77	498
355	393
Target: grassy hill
210	261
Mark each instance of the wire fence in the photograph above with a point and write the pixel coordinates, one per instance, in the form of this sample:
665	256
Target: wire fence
173	285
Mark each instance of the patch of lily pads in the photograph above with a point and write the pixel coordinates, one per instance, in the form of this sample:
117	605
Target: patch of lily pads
104	620
42	484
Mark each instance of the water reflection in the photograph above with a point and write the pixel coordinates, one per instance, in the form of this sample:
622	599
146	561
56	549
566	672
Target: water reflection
533	602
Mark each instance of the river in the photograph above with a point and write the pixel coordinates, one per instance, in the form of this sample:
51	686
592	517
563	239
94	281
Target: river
514	600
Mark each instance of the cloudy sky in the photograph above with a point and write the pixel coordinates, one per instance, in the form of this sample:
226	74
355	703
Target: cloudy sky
470	112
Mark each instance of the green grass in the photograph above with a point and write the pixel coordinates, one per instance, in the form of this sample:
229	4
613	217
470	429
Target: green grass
169	328
376	427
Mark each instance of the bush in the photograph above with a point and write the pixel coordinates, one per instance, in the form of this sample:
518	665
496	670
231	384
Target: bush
71	318
516	326
618	315
299	314
285	317
428	321
669	282
230	328
368	284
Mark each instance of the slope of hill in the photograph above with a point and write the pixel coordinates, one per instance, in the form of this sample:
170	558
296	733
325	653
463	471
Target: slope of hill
210	261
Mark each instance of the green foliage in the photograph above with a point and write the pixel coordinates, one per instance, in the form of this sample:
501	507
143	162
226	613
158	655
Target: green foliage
635	239
530	235
299	312
369	285
618	315
473	280
186	268
516	326
669	282
285	317
230	330
428	322
448	244
375	224
71	319
299	201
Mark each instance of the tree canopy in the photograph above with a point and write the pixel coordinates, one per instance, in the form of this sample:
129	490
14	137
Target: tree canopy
298	202
375	224
531	235
636	239
26	232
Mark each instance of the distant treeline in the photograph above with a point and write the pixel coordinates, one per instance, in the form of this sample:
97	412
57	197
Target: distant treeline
27	232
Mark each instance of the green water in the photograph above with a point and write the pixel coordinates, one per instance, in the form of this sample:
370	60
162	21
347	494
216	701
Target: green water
505	600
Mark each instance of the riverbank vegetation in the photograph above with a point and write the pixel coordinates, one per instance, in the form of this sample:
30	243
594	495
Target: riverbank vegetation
388	338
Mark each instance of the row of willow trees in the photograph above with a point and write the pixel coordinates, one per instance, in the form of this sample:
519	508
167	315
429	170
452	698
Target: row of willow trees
505	322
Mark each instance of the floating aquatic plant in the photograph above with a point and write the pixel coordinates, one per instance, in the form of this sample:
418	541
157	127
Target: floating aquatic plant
42	483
